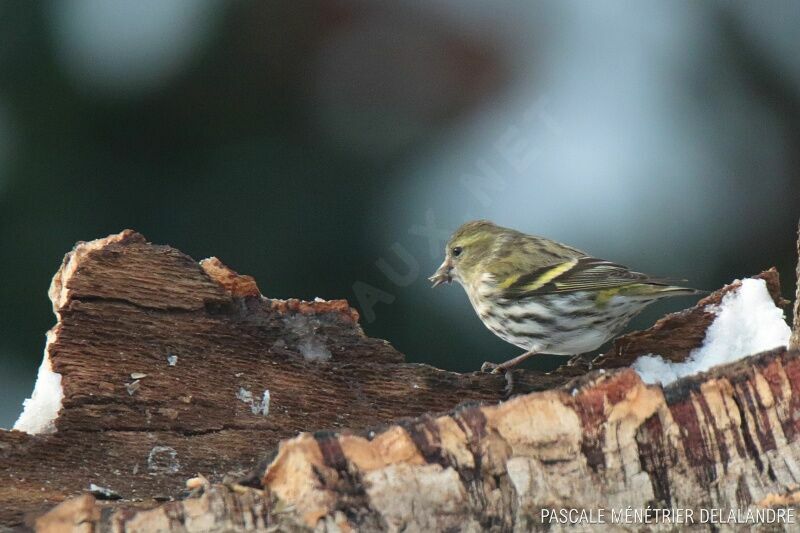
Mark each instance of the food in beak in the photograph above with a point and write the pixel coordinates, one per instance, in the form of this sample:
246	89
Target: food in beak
442	275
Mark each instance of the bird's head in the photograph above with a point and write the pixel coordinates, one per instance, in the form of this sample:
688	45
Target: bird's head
471	244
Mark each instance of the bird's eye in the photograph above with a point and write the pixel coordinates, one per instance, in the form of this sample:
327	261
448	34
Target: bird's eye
457	251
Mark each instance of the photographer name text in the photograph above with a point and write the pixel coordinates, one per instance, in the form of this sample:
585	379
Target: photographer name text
675	515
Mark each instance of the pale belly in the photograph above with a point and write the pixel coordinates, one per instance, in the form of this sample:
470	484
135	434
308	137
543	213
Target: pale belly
558	324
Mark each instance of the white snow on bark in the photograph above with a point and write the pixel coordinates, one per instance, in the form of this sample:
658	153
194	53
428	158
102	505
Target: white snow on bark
257	408
748	322
40	411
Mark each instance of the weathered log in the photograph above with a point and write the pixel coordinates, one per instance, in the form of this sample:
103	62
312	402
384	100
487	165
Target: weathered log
164	364
726	439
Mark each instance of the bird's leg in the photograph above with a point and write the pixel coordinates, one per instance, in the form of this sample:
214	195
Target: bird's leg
506	368
494	368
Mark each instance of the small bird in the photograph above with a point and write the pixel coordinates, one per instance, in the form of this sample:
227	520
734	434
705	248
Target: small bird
544	296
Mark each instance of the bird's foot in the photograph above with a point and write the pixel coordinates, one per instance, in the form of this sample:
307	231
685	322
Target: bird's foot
494	368
491	368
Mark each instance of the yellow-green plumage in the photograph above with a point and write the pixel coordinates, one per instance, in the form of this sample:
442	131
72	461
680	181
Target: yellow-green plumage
544	296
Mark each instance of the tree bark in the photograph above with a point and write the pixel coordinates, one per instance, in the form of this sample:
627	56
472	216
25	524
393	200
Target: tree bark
127	308
164	364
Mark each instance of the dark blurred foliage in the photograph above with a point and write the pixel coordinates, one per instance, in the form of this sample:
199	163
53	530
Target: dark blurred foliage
281	145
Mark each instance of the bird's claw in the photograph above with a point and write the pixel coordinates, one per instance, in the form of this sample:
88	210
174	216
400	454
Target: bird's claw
495	369
491	368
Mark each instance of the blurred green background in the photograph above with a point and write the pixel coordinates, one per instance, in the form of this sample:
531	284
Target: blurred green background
329	147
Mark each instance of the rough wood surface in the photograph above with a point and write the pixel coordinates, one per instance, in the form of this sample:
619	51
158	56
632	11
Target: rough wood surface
125	307
140	426
727	439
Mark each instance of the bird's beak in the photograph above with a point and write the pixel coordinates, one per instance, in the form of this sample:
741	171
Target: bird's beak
443	274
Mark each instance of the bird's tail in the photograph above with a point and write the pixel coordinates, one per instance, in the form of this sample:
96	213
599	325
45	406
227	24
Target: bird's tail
660	288
675	290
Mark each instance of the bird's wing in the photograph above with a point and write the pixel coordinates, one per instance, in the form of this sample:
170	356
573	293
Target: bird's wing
578	274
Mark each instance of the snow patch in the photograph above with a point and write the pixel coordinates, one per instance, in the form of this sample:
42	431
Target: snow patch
263	408
40	411
748	322
163	459
132	387
103	493
257	408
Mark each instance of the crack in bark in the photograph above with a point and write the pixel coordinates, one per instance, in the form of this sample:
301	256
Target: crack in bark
744	427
